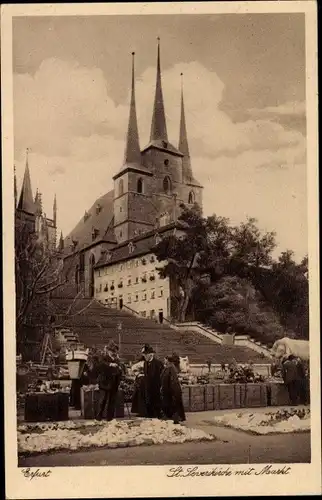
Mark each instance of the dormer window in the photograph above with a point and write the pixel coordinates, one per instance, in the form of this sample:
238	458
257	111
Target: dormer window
86	216
98	208
157	239
95	233
164	219
165	144
131	247
108	255
74	244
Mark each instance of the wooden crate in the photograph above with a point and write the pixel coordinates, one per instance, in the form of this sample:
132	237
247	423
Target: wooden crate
186	397
42	407
90	401
226	396
256	395
278	394
209	397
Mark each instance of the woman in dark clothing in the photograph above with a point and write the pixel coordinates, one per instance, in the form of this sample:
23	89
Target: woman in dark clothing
171	393
138	400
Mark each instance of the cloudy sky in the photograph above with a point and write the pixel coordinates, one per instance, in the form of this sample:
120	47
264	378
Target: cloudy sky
244	85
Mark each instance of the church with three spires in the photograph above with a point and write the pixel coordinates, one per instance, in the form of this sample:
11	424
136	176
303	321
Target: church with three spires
108	254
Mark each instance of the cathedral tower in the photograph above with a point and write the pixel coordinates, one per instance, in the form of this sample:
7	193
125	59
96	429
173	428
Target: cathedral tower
132	213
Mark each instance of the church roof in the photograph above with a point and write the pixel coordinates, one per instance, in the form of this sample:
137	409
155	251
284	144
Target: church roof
99	218
163	146
134	167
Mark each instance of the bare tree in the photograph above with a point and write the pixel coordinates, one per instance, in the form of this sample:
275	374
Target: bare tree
38	272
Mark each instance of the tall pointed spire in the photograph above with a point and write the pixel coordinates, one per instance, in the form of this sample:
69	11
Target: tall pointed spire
132	149
183	140
26	202
15	185
55	211
158	126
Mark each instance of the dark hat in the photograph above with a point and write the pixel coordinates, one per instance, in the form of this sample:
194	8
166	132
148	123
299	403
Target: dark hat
111	346
147	349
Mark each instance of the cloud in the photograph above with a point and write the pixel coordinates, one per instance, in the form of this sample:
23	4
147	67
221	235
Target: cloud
294	108
76	134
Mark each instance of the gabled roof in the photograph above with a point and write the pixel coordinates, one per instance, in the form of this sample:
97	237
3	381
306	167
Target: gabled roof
99	217
132	167
163	146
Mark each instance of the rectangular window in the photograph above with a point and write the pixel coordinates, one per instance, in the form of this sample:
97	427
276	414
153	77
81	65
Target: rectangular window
136	298
136	263
144	296
129	264
161	292
136	280
100	287
153	294
129	299
99	272
129	282
152	313
105	270
143	313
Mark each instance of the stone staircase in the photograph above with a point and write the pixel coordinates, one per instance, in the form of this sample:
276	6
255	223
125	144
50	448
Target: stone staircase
238	340
95	324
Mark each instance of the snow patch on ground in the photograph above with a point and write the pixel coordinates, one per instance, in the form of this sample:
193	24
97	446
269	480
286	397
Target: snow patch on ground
268	422
73	435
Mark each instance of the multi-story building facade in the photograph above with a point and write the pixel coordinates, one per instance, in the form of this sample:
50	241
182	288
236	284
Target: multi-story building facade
149	188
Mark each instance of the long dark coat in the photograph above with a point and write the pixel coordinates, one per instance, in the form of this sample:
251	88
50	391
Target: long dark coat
138	400
171	394
152	378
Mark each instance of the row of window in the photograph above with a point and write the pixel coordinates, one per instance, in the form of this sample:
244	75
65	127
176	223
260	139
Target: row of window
144	279
136	263
167	188
144	296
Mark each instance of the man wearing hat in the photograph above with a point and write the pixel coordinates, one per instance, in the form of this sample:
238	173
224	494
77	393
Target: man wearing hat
153	368
109	379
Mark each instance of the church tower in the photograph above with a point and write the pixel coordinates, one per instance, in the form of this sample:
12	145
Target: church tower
132	207
191	190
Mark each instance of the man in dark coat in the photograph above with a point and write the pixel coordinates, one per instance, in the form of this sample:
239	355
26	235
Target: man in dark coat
302	384
292	378
109	379
171	393
152	376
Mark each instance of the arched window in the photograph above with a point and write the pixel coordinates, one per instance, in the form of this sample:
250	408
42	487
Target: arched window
140	186
191	198
167	185
121	187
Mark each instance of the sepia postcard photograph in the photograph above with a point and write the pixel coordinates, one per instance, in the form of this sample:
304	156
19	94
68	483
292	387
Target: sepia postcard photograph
160	249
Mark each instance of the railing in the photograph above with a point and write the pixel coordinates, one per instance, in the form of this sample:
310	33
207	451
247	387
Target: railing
131	310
